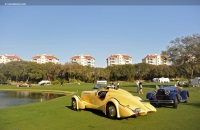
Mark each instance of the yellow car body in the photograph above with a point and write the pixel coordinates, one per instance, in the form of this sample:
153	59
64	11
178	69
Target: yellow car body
115	103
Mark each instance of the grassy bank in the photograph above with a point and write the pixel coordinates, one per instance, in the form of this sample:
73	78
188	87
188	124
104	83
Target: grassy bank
57	114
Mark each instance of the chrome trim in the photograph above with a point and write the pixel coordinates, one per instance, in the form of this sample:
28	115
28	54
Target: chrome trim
161	101
137	110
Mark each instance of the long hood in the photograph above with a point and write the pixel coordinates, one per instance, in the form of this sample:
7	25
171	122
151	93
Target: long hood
127	99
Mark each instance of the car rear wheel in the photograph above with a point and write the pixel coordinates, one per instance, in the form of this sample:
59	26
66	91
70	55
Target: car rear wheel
186	101
111	111
175	105
74	104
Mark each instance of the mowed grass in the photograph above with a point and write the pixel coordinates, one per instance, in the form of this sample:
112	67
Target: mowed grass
56	114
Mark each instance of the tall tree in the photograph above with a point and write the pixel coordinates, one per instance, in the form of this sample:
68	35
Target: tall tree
185	54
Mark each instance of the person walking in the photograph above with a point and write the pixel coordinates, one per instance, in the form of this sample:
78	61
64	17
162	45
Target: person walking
140	88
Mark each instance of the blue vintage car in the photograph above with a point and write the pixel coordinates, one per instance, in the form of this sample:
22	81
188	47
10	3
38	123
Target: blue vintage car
98	86
168	96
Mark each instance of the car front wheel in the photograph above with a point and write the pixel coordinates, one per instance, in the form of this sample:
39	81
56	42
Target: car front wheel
74	104
175	105
111	111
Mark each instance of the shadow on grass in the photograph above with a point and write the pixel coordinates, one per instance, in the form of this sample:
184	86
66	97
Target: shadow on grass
193	104
96	112
99	113
168	106
164	106
69	107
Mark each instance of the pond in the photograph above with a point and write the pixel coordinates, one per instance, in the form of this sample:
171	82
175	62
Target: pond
15	98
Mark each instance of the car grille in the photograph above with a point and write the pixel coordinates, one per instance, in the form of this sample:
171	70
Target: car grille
161	95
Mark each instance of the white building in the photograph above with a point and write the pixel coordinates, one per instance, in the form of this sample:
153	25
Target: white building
8	58
119	59
155	59
85	60
44	58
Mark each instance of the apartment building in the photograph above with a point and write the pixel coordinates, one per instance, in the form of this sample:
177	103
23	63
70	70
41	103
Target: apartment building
155	59
85	60
118	59
8	58
44	58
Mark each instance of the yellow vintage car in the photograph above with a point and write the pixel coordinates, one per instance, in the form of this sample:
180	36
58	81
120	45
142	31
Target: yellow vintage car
114	103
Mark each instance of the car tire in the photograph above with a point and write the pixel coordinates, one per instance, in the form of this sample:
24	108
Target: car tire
74	104
188	94
175	105
186	101
111	111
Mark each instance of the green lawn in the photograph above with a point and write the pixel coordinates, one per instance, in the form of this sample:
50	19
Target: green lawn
56	114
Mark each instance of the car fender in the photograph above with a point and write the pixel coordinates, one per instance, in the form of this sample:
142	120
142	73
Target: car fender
115	102
122	111
149	95
149	107
80	104
138	98
184	94
172	96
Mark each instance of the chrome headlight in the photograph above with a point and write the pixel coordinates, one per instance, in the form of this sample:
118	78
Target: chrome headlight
167	92
137	110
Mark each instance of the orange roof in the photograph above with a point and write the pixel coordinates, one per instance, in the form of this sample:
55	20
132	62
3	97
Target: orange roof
115	56
36	57
75	57
50	57
47	56
153	56
12	57
88	57
126	56
85	56
150	56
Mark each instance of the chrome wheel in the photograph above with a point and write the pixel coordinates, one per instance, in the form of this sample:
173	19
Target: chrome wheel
111	111
74	104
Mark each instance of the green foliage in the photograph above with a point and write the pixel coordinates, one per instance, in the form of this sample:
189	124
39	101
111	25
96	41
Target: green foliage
33	72
184	54
55	82
73	81
2	78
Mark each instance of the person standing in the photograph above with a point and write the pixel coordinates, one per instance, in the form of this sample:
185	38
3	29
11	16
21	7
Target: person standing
137	85
118	84
178	82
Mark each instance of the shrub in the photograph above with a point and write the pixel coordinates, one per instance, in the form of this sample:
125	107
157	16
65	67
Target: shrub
56	82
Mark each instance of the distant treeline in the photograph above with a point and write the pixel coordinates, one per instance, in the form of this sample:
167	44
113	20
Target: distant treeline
23	71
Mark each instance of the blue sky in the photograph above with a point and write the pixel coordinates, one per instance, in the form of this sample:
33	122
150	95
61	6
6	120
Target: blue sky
99	31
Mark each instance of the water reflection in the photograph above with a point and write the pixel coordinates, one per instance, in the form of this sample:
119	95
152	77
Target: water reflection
15	98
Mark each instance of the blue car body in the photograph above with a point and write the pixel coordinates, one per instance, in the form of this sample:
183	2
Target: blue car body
98	86
168	96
